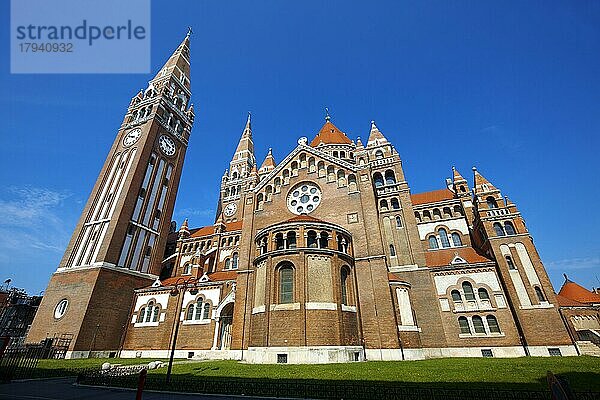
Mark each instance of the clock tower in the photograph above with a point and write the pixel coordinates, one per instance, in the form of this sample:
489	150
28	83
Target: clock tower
119	242
238	178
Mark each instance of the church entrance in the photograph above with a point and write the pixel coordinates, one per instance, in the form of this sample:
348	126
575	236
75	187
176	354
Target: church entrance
225	333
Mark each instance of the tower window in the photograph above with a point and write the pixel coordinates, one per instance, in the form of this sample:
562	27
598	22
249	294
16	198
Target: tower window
539	294
379	154
456	239
291	240
392	250
468	291
390	178
493	324
345	273
483	294
433	244
498	229
456	296
491	202
311	239
148	251
509	228
378	179
444	238
398	222
235	260
509	261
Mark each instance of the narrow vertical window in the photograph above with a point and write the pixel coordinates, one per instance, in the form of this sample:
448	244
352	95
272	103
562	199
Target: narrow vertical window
540	294
478	324
463	323
509	228
468	291
510	263
398	222
456	239
493	324
456	297
206	311
286	285
498	229
433	244
444	238
392	250
345	273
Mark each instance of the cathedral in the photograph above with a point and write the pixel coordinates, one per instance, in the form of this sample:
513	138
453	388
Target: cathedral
325	256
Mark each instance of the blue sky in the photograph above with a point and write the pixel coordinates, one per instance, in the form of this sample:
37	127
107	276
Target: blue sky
512	87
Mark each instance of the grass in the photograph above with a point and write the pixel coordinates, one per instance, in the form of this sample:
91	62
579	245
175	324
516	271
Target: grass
583	373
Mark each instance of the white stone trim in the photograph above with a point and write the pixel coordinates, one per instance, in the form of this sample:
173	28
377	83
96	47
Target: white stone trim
109	266
404	268
348	308
198	354
259	309
305	355
287	306
320	306
196	321
409	328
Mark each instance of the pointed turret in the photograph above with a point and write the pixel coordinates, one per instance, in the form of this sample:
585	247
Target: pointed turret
269	164
184	231
482	185
459	184
243	159
178	64
375	136
359	144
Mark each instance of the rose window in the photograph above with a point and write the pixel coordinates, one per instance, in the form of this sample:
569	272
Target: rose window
304	198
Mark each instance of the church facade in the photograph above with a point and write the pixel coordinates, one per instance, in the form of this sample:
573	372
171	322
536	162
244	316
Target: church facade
325	256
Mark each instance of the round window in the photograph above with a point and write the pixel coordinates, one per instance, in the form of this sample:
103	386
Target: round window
61	308
304	198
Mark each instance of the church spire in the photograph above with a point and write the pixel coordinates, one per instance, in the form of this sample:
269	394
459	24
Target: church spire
375	136
178	64
243	159
269	164
482	185
459	183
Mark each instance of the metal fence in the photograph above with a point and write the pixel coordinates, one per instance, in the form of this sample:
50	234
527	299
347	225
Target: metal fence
19	362
315	389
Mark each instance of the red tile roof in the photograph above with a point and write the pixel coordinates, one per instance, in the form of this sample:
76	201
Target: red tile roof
330	134
431	197
442	258
209	230
573	291
565	302
304	218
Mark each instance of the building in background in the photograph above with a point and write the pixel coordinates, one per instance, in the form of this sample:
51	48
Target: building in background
17	310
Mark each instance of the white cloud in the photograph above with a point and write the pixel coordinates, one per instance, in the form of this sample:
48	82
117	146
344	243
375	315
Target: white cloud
574	263
188	212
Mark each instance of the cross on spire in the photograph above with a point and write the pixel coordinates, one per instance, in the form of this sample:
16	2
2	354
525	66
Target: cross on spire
327	116
190	31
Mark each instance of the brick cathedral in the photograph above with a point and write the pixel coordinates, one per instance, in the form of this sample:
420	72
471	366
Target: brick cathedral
326	256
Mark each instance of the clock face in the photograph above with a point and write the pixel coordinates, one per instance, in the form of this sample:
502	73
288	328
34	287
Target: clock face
167	145
132	137
304	198
230	209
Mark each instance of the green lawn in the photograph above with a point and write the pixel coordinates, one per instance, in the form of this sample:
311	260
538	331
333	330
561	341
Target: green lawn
583	373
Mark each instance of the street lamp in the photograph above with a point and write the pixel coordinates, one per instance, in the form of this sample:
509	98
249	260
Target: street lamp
181	285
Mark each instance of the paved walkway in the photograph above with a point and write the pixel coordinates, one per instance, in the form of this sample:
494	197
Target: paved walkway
64	389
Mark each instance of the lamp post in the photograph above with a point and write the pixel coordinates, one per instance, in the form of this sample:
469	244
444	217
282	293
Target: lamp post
181	285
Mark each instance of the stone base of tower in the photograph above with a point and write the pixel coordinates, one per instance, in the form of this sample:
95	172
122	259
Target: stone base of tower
98	300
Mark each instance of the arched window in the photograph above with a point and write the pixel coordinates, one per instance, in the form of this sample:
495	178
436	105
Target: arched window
235	260
493	324
279	241
344	274
291	240
187	269
539	294
383	204
463	323
259	201
352	182
491	202
392	250
324	240
433	244
444	237
198	309
478	324
149	311
456	297
437	214
509	228
227	263
456	239
206	311
286	284
378	154
418	216
335	154
155	314
311	239
398	222
498	229
378	179
509	261
141	314
263	245
483	294
468	291
395	204
390	178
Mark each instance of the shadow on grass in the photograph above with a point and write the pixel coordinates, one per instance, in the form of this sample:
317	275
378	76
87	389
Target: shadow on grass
348	389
